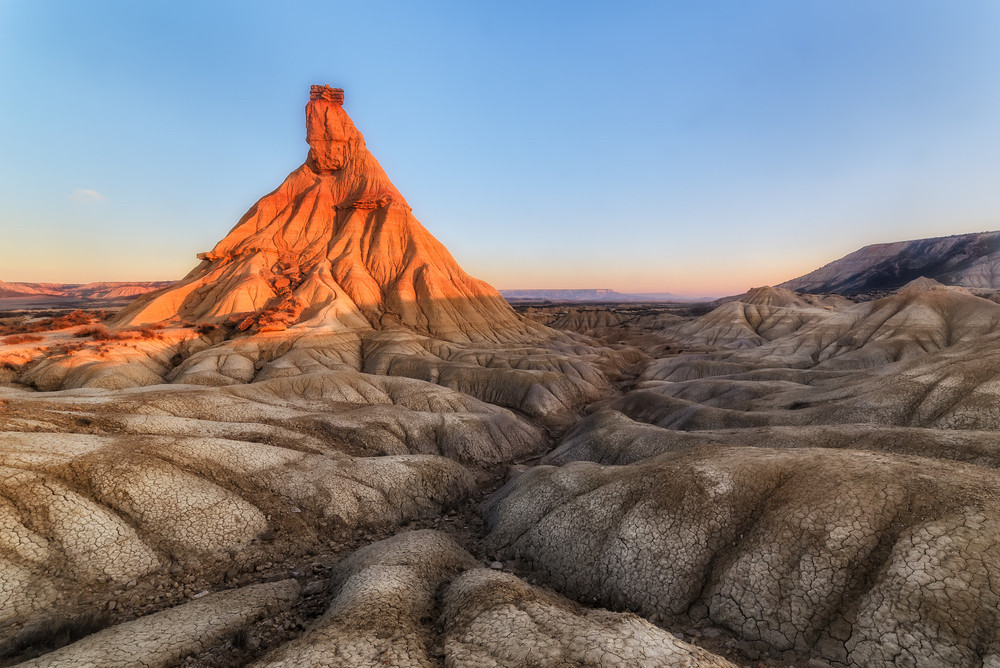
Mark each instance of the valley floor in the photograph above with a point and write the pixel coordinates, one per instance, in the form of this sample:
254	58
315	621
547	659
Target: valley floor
782	480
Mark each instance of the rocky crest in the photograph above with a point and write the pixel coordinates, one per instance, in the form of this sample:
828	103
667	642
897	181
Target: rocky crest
970	260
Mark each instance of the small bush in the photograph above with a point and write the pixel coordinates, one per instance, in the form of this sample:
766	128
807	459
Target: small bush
97	332
71	319
149	332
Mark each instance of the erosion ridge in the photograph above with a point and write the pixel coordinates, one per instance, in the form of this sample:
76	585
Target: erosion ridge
328	445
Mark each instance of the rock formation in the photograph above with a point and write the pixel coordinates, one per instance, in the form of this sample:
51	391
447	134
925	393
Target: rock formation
335	246
329	271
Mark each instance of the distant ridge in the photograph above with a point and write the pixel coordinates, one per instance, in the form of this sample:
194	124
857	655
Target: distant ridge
969	260
83	292
594	295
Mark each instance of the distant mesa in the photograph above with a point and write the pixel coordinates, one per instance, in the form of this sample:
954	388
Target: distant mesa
593	295
334	246
970	260
72	294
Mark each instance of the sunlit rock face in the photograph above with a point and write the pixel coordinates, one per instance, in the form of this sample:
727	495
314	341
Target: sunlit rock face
331	271
334	246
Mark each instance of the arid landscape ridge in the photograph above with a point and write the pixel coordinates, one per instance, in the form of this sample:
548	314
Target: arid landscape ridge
328	445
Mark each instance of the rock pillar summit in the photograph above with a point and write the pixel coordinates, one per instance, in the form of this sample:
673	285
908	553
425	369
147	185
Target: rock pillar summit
328	129
334	246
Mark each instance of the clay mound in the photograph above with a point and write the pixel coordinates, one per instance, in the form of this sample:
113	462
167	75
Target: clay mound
496	619
762	314
588	321
83	292
393	597
384	607
99	488
740	324
335	246
855	557
922	318
770	296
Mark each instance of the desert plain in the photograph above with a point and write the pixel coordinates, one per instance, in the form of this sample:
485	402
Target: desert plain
328	445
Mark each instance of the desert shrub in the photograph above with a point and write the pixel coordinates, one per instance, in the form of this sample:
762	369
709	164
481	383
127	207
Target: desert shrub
68	349
149	332
22	338
71	319
96	332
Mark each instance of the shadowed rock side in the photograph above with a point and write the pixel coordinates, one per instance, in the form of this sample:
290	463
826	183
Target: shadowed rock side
856	557
164	638
387	603
385	606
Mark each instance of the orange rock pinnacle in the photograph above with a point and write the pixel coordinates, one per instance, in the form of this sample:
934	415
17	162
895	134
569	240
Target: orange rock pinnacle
335	246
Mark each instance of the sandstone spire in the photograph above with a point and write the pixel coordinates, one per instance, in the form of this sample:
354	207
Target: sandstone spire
335	246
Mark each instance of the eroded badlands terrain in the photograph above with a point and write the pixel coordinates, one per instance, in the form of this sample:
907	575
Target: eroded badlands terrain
330	446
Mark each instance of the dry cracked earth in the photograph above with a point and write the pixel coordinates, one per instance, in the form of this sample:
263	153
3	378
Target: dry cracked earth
782	481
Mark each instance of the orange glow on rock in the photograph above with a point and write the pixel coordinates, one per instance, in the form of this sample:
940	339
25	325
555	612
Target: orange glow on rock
335	246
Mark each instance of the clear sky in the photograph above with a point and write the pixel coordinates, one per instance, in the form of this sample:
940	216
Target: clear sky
696	147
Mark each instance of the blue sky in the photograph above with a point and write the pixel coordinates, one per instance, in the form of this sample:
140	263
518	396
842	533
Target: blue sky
692	147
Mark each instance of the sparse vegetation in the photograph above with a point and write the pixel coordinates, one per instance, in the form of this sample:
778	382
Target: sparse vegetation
22	338
97	332
49	324
102	333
